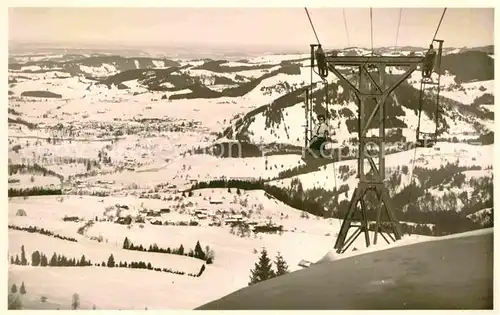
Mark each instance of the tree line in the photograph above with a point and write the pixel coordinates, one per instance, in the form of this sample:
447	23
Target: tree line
34	191
143	265
35	168
208	255
34	229
57	260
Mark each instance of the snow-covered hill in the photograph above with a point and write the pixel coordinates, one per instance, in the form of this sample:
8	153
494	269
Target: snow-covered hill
457	272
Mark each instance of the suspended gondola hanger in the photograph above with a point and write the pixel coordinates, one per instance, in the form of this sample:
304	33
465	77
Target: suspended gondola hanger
421	137
429	139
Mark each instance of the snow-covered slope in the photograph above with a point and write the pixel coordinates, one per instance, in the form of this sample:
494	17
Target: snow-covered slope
459	270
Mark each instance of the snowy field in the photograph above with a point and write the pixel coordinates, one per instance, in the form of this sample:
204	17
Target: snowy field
234	255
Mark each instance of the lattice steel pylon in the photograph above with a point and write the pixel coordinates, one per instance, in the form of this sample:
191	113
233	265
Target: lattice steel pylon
371	95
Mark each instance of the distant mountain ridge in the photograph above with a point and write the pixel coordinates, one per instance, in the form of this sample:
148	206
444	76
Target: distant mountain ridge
189	52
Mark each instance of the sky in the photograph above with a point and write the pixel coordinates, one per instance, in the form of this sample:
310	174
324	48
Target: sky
286	27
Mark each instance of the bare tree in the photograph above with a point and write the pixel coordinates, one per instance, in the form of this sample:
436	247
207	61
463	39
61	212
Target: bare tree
75	303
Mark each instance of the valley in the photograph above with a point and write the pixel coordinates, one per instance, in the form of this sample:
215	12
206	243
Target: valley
195	163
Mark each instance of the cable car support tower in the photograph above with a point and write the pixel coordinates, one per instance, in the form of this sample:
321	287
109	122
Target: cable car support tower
368	79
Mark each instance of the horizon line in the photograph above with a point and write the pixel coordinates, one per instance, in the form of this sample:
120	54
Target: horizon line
111	45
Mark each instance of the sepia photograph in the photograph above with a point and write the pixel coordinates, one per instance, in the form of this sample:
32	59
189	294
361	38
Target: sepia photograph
250	158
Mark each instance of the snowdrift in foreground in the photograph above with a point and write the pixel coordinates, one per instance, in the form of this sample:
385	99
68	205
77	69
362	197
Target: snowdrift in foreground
451	273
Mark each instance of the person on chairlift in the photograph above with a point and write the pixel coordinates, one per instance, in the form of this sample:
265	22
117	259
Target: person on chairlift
428	63
320	134
321	58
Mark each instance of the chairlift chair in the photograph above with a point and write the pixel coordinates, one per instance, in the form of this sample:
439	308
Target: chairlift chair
429	139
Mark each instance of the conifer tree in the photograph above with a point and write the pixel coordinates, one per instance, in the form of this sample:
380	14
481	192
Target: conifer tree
53	260
83	261
281	265
111	261
24	261
22	289
263	269
35	258
126	243
198	251
43	260
13	289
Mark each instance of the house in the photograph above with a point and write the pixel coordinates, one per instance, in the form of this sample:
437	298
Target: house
232	221
237	217
201	211
201	216
139	220
304	263
124	220
72	219
211	214
267	228
221	212
215	202
152	213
